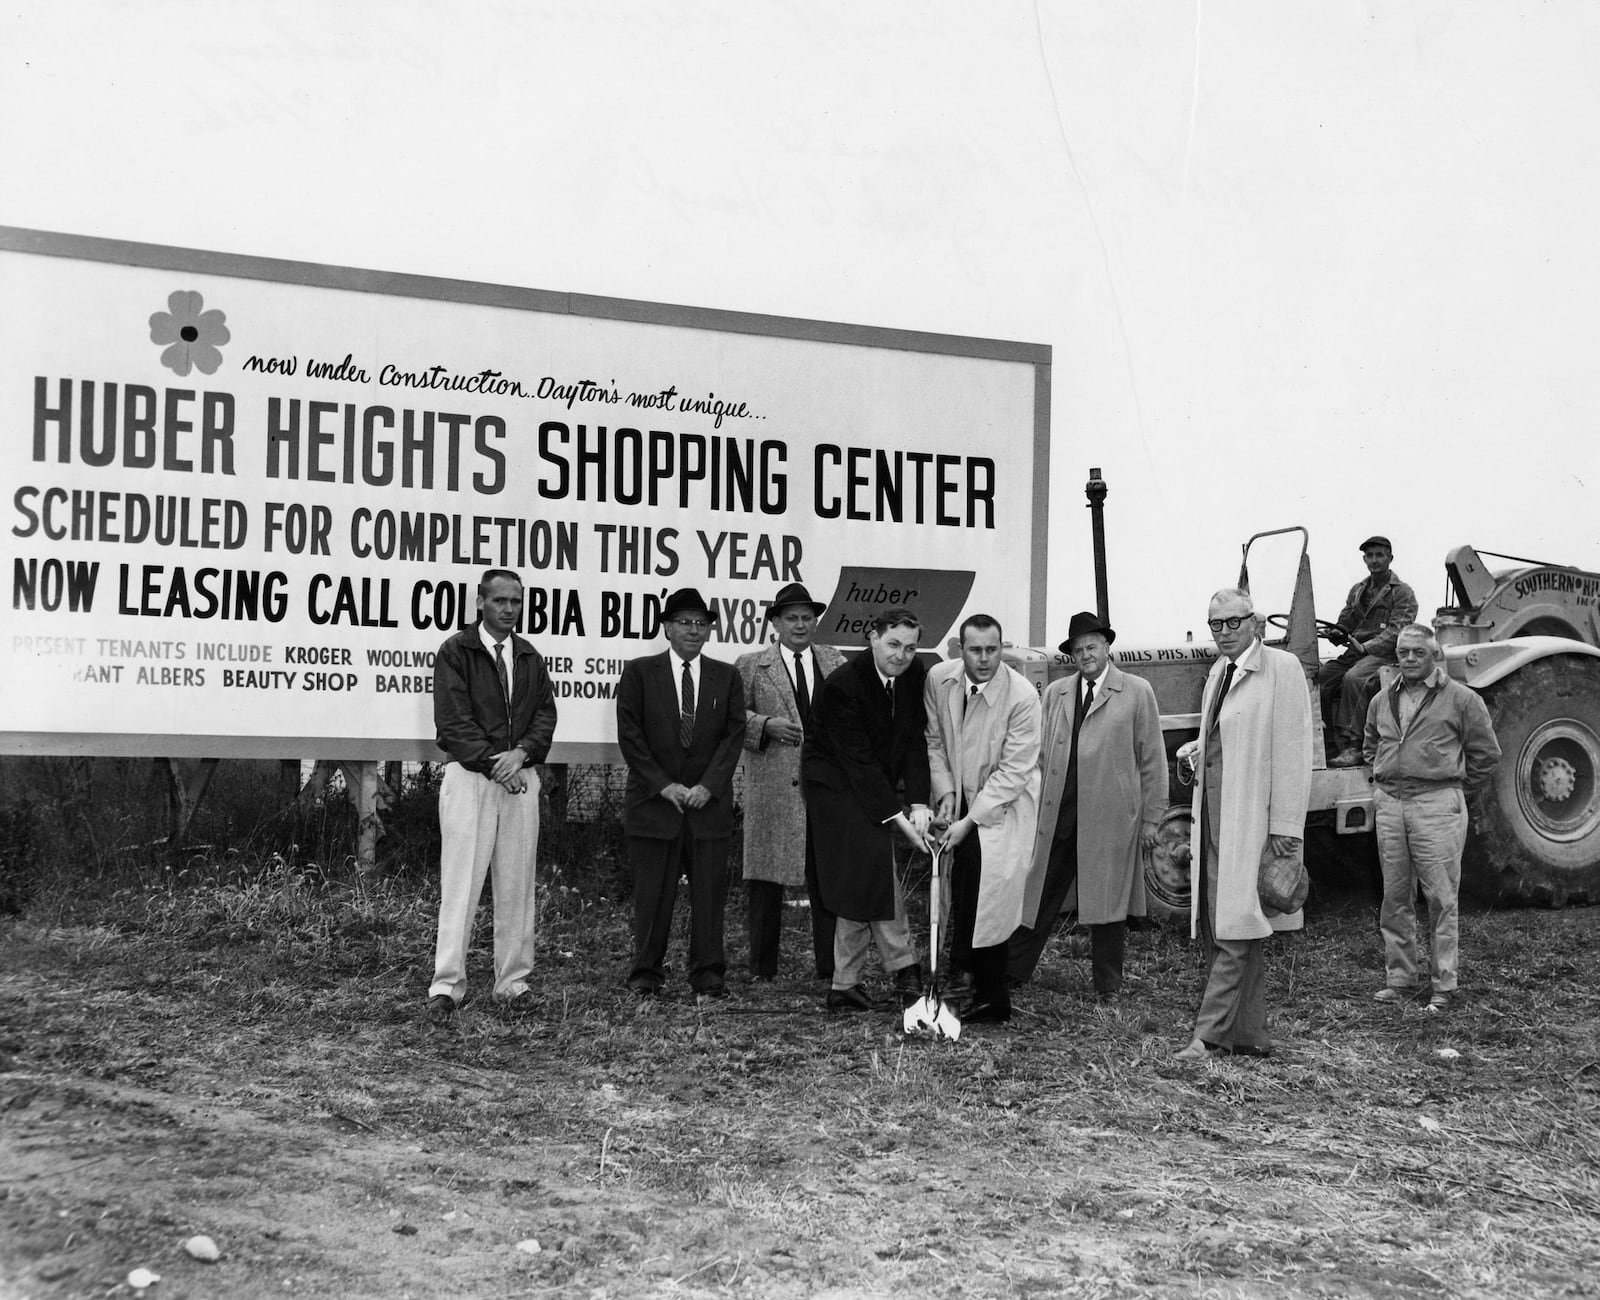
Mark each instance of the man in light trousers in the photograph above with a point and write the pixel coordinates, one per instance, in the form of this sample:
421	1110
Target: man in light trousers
1430	743
495	713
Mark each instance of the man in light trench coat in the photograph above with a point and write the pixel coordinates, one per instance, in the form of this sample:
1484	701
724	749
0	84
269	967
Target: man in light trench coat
779	684
983	768
1104	792
1252	782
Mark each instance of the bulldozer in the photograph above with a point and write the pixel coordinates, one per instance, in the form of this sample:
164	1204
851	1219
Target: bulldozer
1526	637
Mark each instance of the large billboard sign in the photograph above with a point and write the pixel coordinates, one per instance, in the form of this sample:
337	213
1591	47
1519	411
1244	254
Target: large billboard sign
246	500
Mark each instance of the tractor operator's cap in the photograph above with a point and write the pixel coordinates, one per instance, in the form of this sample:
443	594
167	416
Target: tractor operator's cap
794	594
1082	624
686	600
1378	540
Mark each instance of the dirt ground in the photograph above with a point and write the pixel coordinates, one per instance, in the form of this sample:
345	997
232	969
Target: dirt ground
266	1078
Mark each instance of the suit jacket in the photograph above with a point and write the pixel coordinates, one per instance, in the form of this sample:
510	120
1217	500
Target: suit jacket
986	753
647	733
1122	781
774	809
860	765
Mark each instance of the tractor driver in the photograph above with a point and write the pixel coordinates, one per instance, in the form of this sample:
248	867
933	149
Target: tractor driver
1368	626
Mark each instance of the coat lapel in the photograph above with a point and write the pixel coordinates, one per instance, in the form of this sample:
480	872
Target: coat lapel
778	672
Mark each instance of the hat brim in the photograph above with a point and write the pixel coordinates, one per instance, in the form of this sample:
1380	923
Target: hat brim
1110	635
816	607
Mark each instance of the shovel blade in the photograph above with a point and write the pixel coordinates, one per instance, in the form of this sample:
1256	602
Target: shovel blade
933	1018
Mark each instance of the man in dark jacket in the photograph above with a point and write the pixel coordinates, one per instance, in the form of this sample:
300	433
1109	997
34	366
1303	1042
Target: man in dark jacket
1374	612
496	716
864	770
680	726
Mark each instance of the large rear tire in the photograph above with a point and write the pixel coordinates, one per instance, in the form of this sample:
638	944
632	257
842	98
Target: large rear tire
1536	823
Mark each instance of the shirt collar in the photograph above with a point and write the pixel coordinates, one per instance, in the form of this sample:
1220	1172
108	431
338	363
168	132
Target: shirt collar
488	641
1431	682
1246	663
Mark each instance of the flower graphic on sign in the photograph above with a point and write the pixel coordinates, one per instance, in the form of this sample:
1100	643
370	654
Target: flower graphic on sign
190	337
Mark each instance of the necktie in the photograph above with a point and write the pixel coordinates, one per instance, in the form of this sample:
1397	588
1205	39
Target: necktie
686	717
966	706
888	689
500	670
1227	681
802	694
1083	709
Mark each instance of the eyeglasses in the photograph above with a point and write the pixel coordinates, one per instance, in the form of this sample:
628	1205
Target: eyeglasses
697	624
1232	624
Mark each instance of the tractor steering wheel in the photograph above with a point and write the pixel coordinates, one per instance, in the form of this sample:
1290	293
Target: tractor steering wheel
1281	622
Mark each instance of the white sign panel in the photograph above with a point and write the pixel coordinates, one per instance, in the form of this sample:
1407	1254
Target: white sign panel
246	501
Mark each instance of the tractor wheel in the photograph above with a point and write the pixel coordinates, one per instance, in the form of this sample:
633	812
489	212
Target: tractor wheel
1536	823
1166	867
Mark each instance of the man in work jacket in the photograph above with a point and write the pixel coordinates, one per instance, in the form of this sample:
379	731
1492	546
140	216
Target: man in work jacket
1373	614
495	714
1430	742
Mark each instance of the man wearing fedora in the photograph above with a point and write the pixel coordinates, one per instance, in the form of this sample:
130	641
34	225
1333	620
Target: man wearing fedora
779	684
1104	792
680	719
1368	626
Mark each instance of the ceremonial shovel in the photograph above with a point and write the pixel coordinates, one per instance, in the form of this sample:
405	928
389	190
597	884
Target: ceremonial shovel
930	1015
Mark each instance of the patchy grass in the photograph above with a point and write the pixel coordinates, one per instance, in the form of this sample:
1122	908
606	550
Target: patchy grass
242	1052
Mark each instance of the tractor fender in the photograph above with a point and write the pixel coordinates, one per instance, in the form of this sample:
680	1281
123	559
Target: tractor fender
1480	666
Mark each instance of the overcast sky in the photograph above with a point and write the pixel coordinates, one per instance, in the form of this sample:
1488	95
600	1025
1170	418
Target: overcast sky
1321	263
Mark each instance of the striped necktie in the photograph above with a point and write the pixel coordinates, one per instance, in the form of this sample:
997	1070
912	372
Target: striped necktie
686	716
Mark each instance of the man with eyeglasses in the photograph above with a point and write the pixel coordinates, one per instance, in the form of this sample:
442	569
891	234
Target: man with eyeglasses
1251	767
1430	743
780	683
495	714
1374	612
680	721
1105	789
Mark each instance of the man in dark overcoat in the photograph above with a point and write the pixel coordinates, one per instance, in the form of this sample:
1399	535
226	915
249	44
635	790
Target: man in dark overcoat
864	770
680	721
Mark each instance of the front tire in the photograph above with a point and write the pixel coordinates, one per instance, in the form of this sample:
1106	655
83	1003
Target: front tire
1536	823
1166	868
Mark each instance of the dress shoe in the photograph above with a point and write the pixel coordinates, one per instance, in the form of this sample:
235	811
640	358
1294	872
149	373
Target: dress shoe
1195	1051
1243	1049
711	993
643	990
981	1012
1346	758
441	1009
908	983
853	998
